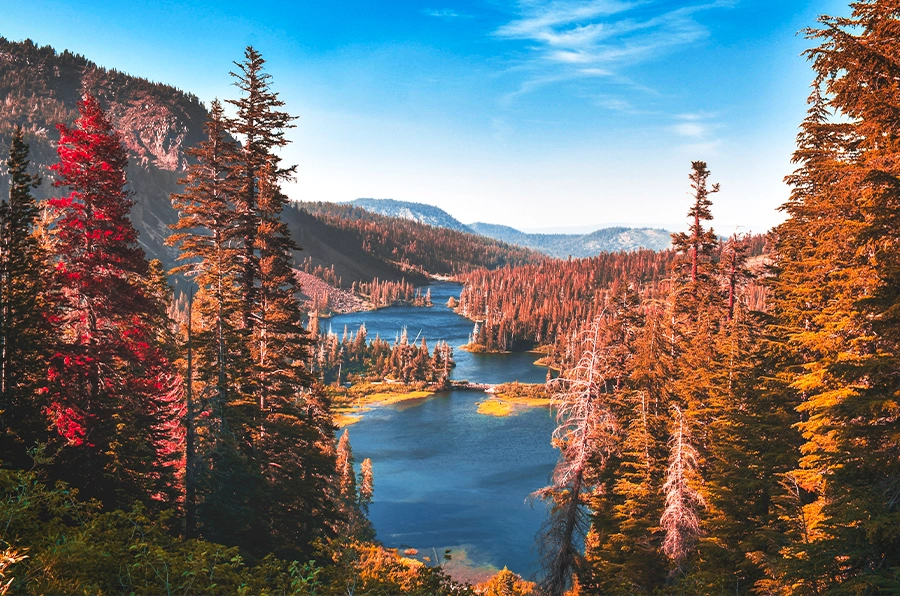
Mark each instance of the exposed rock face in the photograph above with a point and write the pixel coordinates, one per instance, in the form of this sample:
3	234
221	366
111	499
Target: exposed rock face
41	87
327	298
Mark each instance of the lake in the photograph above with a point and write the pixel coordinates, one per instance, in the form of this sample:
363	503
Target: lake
446	476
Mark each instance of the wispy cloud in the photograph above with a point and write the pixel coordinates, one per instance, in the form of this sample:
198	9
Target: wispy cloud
696	132
578	38
446	13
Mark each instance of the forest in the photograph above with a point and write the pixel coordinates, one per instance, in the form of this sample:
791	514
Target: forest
727	414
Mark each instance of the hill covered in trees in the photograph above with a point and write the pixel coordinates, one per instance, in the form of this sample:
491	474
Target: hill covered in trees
40	88
515	311
561	246
418	247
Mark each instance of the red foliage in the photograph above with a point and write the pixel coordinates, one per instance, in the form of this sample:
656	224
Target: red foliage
113	390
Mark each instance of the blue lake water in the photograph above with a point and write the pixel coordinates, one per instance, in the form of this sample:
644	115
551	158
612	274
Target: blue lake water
446	476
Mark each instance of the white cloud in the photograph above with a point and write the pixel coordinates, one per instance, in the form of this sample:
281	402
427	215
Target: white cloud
573	38
690	129
446	13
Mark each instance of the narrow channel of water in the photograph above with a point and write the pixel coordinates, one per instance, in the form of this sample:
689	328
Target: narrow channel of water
446	476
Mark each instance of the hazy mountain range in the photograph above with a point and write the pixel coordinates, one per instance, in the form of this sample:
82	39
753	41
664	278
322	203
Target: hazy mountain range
561	246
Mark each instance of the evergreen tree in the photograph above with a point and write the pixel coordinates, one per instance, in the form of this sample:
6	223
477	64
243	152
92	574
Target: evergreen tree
587	434
835	300
24	333
112	390
260	123
698	243
208	234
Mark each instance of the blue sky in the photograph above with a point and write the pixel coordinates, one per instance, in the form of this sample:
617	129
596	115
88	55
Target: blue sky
535	114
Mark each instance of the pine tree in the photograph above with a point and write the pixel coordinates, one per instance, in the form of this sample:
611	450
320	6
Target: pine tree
587	434
111	386
24	333
346	480
698	243
623	548
260	123
680	519
366	485
208	234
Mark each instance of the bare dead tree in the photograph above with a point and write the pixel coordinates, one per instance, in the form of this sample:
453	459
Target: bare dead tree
681	518
586	431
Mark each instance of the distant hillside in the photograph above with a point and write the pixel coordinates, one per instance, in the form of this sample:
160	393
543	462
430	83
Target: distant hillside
580	245
39	88
416	247
561	246
426	214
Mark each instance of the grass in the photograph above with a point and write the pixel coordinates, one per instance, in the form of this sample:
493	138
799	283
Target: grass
509	397
350	403
495	407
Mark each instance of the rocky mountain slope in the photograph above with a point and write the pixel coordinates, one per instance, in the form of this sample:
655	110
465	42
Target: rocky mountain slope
40	88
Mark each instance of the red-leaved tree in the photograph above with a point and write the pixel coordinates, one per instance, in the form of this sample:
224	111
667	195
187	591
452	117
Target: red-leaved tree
113	393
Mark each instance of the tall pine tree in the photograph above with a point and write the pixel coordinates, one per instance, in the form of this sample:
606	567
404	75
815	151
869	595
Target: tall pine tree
260	124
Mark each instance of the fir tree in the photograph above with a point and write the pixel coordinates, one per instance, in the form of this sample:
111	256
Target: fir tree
835	301
111	386
260	123
208	234
24	333
586	434
680	519
698	243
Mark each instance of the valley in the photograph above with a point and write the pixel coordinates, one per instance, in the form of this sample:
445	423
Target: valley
207	386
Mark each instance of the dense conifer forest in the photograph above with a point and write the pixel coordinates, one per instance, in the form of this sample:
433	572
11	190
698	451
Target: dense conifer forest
418	247
727	411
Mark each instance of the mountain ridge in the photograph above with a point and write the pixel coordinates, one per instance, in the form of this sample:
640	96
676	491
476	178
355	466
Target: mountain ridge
561	246
421	212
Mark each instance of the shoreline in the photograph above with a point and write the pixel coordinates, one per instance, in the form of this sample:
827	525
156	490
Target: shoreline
479	349
510	398
351	403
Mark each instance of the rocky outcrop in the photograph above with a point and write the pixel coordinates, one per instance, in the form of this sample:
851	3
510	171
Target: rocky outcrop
41	87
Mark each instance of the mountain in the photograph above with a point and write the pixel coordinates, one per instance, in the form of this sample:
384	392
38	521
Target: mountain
40	87
561	246
427	214
579	245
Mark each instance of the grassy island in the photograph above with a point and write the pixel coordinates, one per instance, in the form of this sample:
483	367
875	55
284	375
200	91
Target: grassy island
508	398
350	403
